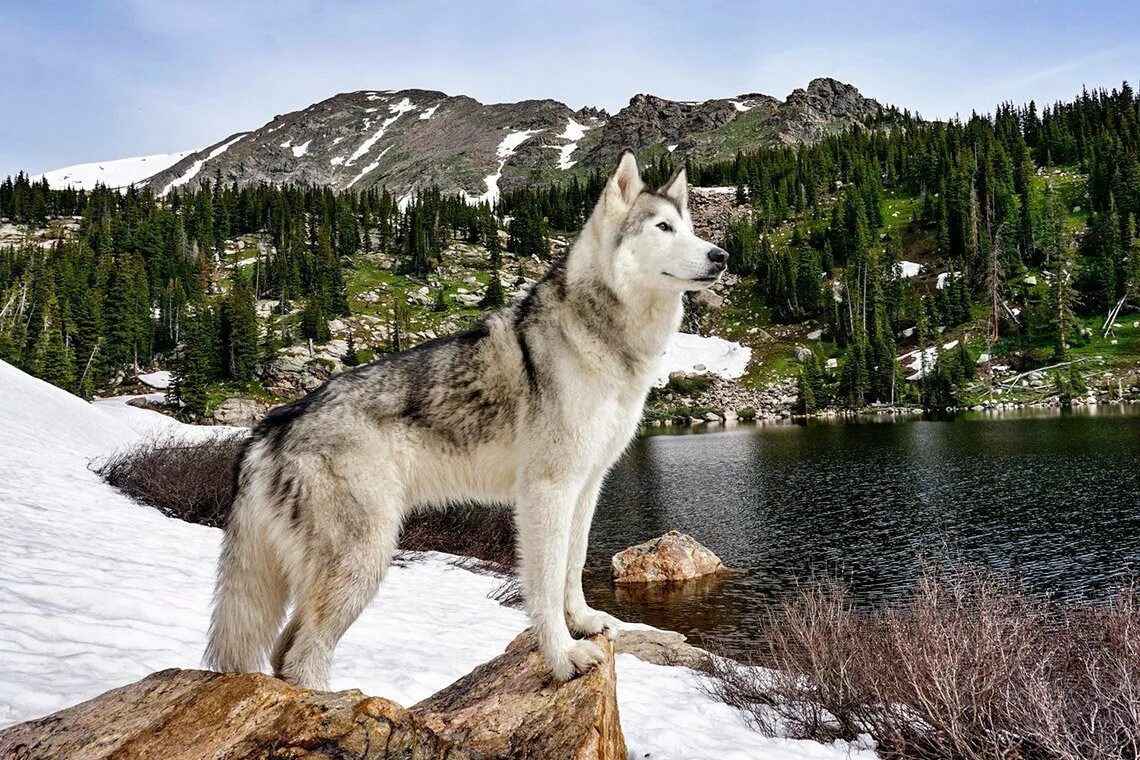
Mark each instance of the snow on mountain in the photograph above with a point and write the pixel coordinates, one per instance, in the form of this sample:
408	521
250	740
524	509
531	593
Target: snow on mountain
121	172
196	167
696	353
97	591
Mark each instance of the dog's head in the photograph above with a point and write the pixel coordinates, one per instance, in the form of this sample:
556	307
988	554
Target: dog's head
652	233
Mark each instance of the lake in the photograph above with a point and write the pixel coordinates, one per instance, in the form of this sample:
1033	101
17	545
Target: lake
1051	497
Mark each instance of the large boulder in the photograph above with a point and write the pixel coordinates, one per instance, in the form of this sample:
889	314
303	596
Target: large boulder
672	557
197	714
512	707
243	412
509	707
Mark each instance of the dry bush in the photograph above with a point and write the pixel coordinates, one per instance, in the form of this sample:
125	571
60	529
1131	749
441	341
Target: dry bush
968	667
486	533
194	481
191	481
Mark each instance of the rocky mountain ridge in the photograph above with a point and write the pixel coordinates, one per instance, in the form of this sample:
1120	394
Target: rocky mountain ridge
408	140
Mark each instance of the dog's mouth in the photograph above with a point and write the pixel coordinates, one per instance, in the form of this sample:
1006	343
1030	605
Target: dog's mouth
703	280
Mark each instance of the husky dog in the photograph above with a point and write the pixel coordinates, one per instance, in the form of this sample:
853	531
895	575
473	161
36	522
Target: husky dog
530	407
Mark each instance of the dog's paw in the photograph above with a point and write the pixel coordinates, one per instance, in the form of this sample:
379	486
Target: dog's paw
591	622
575	659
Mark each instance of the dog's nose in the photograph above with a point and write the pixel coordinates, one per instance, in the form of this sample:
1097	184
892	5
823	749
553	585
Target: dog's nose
718	256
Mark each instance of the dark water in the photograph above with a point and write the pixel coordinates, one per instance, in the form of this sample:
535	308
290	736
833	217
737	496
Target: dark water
1049	497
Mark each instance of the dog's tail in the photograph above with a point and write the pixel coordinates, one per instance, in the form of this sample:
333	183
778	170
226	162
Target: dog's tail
252	590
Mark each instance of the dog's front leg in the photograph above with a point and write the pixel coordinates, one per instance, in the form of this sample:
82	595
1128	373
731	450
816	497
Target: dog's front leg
582	618
545	513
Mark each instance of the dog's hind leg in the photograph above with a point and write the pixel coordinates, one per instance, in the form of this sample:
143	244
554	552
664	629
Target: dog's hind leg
344	565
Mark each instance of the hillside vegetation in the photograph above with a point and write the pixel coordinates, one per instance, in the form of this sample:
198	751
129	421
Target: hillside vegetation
900	262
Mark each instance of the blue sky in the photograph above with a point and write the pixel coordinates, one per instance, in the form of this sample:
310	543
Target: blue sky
96	80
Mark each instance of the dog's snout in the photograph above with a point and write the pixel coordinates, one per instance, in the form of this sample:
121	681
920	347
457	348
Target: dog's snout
718	256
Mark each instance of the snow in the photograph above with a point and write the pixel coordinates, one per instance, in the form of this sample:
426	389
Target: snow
907	269
741	105
429	112
122	172
574	132
397	111
919	362
97	591
336	160
370	167
672	148
696	353
302	149
943	277
505	150
160	379
197	165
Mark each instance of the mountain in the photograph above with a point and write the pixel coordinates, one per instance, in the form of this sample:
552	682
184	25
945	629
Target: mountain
120	172
409	140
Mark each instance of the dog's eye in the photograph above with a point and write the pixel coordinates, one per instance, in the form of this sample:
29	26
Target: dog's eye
665	226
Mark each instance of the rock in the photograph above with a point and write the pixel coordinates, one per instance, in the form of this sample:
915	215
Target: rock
712	417
660	647
510	707
244	412
672	557
815	335
802	353
507	708
177	714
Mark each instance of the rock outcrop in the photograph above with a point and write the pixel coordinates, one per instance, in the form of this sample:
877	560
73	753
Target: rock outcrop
506	708
409	140
511	704
670	558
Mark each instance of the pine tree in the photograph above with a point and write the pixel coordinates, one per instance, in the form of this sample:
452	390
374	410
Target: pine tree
351	358
241	329
194	368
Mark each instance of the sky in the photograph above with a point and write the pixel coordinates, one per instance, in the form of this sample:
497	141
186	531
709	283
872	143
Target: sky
90	80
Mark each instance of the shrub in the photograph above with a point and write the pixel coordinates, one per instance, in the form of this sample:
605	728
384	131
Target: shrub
747	414
968	667
693	385
193	481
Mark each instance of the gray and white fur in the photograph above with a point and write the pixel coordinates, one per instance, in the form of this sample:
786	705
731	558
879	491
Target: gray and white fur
530	407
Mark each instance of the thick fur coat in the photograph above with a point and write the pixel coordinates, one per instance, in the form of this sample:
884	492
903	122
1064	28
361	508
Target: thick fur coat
530	407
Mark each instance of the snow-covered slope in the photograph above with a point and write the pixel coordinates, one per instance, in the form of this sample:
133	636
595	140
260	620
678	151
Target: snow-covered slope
121	172
97	591
687	352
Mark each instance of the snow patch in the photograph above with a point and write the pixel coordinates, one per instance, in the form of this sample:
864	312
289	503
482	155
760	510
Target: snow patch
336	160
574	132
672	148
122	172
160	379
397	111
741	105
906	269
943	278
505	150
696	353
919	362
197	165
302	149
429	112
370	167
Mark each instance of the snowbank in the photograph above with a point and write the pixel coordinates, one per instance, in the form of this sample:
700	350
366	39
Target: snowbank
97	591
906	269
696	353
160	379
196	167
121	172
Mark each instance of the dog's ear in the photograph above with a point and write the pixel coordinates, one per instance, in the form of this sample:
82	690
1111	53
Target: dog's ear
676	188
625	185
